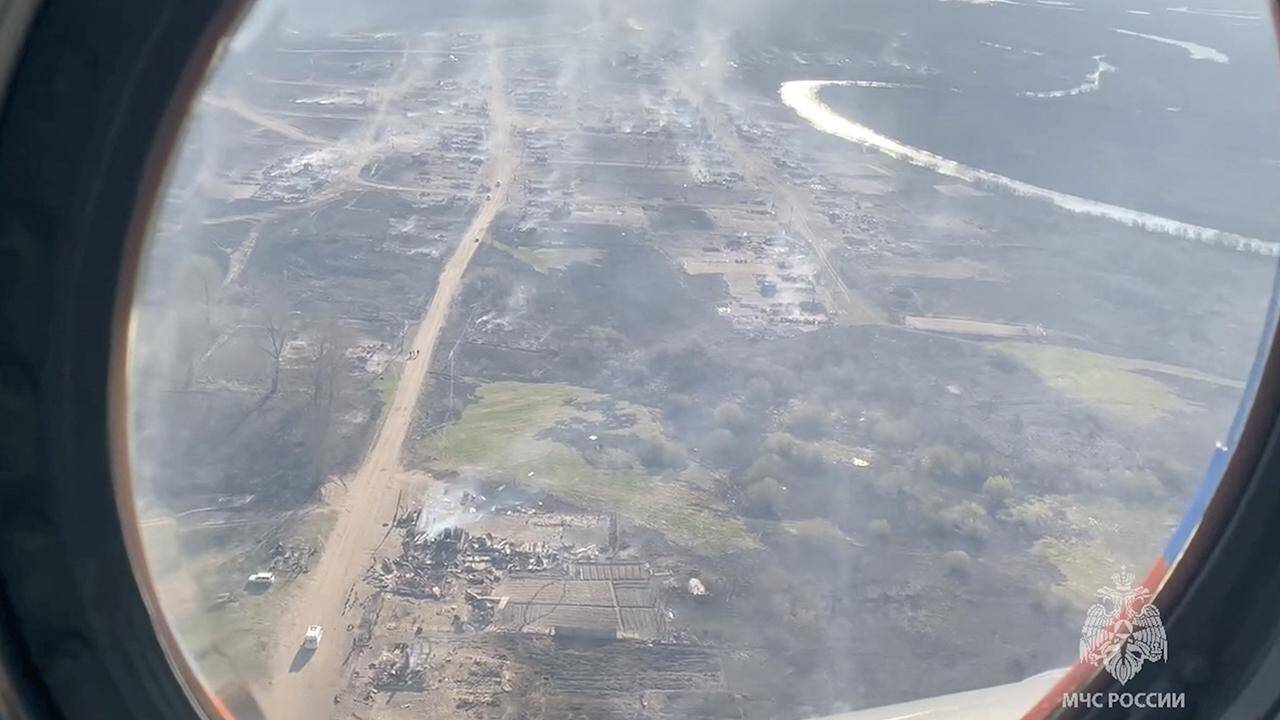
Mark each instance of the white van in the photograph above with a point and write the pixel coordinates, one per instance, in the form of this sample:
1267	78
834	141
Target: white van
311	640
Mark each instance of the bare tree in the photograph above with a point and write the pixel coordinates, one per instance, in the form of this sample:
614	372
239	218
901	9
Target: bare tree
274	335
272	338
326	377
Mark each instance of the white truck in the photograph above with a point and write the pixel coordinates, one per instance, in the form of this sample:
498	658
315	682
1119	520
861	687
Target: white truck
311	640
262	578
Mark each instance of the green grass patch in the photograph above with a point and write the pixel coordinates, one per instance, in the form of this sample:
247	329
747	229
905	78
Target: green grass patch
499	432
544	260
1121	387
386	386
1100	537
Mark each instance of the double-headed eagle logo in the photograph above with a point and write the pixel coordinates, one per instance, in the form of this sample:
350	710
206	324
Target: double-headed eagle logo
1123	631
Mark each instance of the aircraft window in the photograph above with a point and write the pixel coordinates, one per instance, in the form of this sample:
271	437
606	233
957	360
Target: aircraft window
692	359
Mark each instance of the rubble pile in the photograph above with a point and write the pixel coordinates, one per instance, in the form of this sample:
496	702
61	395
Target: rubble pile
291	559
485	681
399	668
373	357
430	561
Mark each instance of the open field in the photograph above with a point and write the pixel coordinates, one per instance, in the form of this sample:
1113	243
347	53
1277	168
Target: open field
1124	387
1101	538
503	432
962	326
547	259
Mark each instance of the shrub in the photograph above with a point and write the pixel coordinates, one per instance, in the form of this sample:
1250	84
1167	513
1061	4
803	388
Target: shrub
821	537
780	444
809	421
997	488
1036	516
767	465
765	499
730	415
663	455
968	519
723	446
806	458
809	459
957	563
953	467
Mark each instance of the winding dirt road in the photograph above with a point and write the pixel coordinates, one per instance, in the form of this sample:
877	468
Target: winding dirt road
302	686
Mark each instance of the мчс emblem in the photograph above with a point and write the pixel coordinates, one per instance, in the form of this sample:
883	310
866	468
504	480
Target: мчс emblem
1124	630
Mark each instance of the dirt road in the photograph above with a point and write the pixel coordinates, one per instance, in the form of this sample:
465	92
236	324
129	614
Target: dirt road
239	107
302	686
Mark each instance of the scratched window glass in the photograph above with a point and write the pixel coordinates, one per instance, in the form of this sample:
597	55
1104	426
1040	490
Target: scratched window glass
587	359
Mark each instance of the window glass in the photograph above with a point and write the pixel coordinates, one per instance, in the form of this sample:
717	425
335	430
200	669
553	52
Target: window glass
580	359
